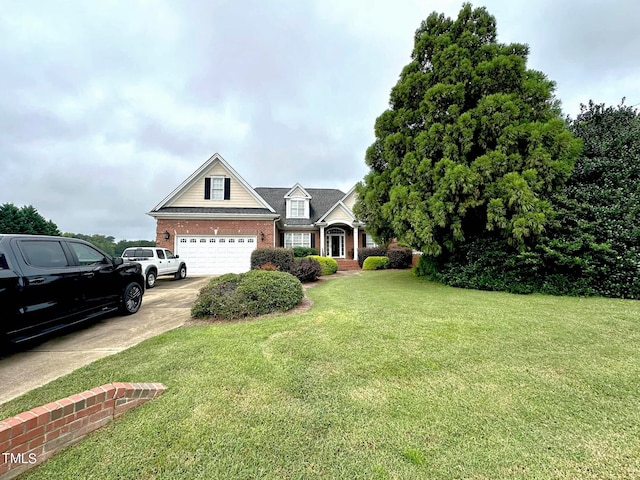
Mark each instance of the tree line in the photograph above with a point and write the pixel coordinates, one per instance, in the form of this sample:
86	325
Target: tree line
474	164
27	220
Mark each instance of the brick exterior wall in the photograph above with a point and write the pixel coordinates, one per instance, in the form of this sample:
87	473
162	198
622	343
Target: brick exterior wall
209	227
32	437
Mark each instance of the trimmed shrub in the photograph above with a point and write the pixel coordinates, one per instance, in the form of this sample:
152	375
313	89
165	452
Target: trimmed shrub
256	292
400	257
375	263
300	252
280	257
363	253
306	269
328	264
269	267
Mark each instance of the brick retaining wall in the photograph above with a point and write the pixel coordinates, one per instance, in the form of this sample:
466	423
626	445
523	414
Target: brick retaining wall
30	438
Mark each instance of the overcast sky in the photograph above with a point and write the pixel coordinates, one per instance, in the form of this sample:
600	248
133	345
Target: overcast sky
106	106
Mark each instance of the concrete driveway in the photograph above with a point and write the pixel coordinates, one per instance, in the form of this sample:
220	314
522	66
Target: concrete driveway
164	307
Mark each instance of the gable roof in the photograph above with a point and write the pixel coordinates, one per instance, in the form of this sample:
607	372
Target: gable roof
299	188
340	205
198	175
321	200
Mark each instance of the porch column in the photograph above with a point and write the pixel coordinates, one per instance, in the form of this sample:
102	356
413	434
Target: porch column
322	241
356	239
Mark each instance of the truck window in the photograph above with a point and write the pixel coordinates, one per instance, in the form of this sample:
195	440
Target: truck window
87	255
160	253
43	253
170	254
138	253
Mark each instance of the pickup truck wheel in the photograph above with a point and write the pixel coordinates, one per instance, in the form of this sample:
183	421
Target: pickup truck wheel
131	298
151	278
181	273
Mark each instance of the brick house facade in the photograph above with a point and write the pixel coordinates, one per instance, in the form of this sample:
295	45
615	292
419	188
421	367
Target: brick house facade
215	219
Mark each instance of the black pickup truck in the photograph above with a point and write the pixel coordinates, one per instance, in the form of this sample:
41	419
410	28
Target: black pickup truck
47	283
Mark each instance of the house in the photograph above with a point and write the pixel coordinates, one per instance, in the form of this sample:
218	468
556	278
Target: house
215	219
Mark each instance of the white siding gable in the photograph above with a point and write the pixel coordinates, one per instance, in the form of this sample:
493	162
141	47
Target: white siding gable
194	195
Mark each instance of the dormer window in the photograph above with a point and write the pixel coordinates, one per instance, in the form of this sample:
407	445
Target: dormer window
297	208
297	200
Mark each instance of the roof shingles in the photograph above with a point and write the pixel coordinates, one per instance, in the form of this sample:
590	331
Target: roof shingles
322	199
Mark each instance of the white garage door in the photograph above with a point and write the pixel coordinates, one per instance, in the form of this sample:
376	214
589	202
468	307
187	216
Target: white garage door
216	255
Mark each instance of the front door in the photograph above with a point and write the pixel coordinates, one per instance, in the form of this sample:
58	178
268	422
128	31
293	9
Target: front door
335	242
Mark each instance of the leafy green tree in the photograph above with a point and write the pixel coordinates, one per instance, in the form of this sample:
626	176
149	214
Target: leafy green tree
26	220
592	246
123	244
601	209
108	243
472	142
105	243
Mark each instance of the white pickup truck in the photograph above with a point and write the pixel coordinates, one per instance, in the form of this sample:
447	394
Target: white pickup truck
156	261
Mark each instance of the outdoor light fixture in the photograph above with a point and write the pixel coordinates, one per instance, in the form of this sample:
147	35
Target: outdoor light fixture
262	236
167	235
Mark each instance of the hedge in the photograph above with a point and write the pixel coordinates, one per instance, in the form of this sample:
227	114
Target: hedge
375	263
328	264
399	257
300	252
306	269
363	253
255	292
282	258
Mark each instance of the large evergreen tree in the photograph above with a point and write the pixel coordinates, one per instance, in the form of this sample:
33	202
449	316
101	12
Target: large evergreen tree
25	220
472	141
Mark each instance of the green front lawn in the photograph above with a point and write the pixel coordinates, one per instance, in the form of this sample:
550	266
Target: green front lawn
387	376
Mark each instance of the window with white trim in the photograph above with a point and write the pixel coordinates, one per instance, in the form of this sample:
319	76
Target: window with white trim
217	188
296	208
370	242
292	239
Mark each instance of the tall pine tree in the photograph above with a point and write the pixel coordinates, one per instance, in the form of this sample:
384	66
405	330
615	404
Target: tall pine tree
472	142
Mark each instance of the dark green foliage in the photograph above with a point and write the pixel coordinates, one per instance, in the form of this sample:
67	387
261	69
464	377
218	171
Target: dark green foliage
399	257
363	253
306	269
375	263
25	220
328	264
472	142
280	257
122	245
253	293
300	252
108	243
592	245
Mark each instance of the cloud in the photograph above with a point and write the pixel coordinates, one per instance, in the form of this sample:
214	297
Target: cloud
106	107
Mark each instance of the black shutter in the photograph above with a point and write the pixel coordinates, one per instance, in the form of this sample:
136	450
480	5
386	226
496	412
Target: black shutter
313	240
207	188
364	239
227	188
282	239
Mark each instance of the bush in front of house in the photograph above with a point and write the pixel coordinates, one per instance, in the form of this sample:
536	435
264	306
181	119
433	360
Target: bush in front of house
363	253
255	292
280	257
328	264
300	252
306	269
375	263
400	257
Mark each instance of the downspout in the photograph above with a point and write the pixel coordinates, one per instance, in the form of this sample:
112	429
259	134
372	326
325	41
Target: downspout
274	231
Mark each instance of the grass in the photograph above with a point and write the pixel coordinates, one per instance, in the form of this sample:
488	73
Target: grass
386	377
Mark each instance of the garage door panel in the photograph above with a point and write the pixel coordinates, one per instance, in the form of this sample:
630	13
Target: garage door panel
216	255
